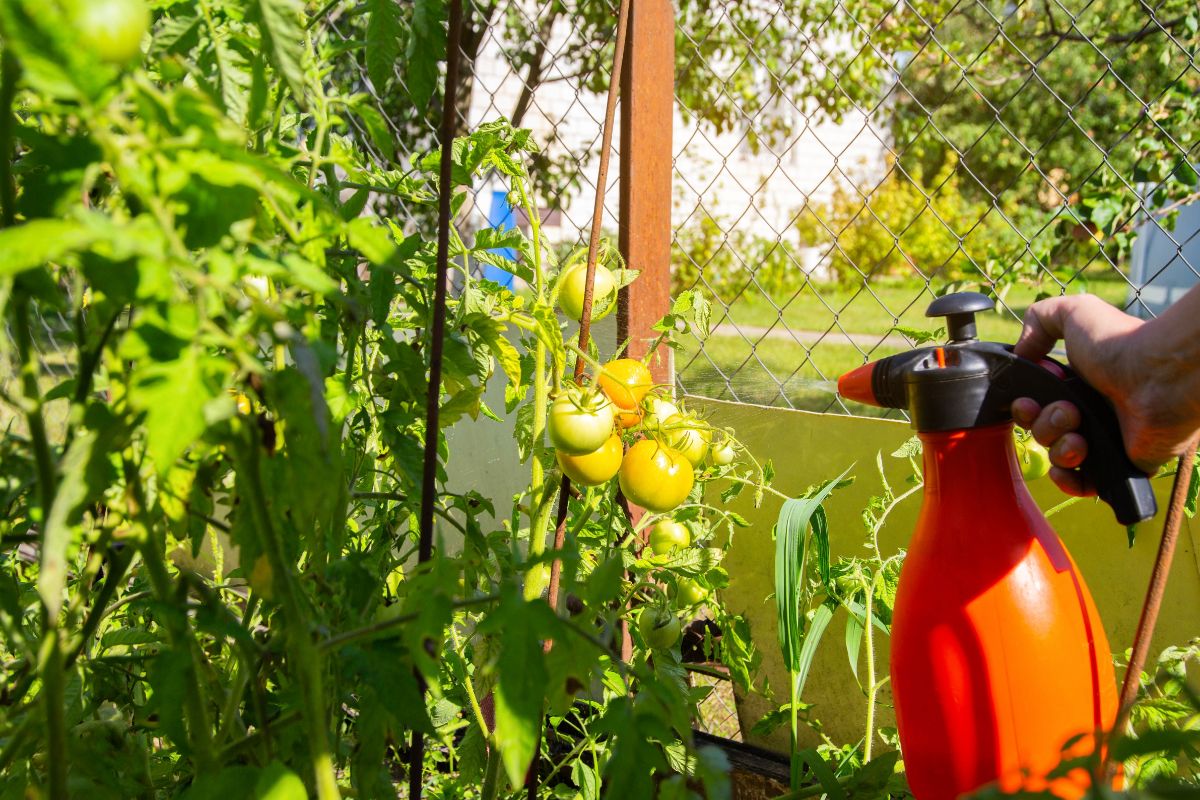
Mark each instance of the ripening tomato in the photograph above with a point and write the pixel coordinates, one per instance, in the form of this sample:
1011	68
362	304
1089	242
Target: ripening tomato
655	476
689	592
667	535
592	469
571	286
690	436
659	627
113	29
626	381
581	420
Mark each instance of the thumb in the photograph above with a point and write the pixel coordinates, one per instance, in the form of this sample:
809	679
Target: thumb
1043	327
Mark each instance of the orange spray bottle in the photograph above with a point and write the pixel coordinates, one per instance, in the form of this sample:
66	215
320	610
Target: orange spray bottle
998	657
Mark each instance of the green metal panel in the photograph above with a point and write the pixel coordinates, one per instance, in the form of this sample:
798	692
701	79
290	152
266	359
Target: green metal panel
808	448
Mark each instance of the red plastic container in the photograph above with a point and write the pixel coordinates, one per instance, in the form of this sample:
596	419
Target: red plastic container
998	656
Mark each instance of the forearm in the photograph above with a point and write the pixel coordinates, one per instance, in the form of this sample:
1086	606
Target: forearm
1168	349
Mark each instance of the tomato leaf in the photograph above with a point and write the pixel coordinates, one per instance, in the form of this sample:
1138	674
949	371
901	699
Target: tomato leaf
279	21
426	47
521	685
384	31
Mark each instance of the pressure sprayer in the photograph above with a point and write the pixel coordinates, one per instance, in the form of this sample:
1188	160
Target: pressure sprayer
998	657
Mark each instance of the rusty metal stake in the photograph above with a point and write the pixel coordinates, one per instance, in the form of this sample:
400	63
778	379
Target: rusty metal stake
437	335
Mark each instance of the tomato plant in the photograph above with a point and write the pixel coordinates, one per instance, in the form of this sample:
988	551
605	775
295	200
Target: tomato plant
219	477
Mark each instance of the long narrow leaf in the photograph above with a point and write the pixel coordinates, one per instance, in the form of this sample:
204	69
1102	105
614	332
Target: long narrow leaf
791	556
823	774
812	638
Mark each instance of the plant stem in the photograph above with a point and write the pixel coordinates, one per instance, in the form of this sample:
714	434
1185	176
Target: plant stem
470	687
872	686
491	784
52	658
301	649
10	72
199	730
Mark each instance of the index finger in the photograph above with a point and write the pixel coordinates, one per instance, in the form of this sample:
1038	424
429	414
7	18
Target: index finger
1043	327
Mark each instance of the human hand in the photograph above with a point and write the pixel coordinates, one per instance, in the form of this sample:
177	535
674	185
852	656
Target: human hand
1108	351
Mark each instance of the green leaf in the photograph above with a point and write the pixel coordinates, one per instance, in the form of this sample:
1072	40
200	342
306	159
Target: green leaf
791	567
128	637
174	395
520	687
24	247
464	402
283	37
277	782
85	473
384	31
812	639
426	47
854	635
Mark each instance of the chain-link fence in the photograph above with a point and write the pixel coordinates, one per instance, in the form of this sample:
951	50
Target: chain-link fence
843	163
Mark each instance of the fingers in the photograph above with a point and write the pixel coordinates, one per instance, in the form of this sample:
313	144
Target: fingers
1053	427
1072	482
1055	420
1043	327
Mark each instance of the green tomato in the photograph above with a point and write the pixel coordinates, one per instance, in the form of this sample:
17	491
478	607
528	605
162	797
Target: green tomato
571	285
580	421
667	535
113	29
689	592
658	411
721	453
1034	459
689	436
659	628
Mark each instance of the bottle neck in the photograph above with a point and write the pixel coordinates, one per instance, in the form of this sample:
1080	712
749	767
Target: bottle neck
969	461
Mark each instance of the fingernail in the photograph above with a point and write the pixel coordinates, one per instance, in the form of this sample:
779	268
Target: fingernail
1058	418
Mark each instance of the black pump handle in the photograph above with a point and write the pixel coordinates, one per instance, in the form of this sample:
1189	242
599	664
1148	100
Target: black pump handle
1117	480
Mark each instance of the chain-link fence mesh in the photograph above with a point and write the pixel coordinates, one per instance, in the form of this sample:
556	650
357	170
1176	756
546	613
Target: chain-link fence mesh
836	165
871	155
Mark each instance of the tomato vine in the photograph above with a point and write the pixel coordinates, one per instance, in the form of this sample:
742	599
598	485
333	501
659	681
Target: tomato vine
211	496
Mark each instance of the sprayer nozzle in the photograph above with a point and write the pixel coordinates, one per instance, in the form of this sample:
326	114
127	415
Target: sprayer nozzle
856	385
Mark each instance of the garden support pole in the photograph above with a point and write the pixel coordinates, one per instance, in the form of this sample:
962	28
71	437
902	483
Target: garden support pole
647	117
437	335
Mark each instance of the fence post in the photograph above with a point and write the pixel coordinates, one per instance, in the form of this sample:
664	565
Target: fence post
647	118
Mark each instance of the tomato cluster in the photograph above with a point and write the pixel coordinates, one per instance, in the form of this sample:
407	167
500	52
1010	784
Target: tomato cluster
658	470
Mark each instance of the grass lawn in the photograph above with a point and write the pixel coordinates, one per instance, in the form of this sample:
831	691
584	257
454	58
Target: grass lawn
780	371
884	304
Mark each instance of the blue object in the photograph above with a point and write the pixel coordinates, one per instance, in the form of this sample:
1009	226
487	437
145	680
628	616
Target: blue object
1164	266
500	216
